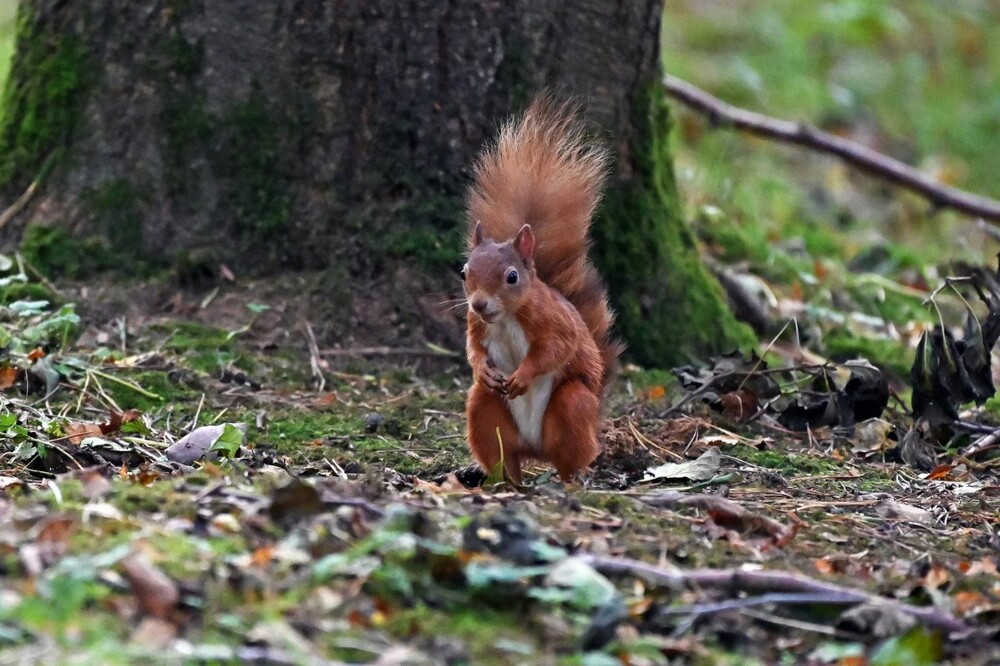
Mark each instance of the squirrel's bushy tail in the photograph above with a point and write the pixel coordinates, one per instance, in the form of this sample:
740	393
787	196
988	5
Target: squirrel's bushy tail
543	171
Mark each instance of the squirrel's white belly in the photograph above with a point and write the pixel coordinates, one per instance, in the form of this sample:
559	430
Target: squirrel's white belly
507	346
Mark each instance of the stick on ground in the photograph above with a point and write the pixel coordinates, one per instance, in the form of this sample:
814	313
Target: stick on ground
762	582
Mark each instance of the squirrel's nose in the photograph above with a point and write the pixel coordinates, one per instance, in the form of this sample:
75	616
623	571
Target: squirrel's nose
479	305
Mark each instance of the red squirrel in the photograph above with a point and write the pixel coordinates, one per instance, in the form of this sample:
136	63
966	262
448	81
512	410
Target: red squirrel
538	339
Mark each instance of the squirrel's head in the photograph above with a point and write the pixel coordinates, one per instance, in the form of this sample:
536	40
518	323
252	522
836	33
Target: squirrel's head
497	276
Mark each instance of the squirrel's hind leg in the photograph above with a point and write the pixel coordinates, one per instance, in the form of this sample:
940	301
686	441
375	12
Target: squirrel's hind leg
485	412
569	430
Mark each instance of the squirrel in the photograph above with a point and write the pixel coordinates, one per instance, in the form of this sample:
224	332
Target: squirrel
538	340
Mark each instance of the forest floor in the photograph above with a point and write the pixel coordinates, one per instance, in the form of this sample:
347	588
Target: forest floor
348	524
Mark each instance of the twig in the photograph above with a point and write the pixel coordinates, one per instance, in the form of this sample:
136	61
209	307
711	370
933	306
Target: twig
389	351
768	581
126	383
314	360
783	598
18	205
855	154
796	624
982	444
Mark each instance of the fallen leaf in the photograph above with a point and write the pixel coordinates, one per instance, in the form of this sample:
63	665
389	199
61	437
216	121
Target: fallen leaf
7	482
8	376
294	501
940	472
153	633
154	590
739	405
872	436
701	469
194	445
935	577
986	565
832	564
656	393
117	419
969	602
891	509
77	432
262	556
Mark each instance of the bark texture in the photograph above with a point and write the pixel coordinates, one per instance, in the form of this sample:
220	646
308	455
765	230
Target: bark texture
336	134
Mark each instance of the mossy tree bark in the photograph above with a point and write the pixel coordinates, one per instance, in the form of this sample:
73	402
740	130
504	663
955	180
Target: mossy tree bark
331	134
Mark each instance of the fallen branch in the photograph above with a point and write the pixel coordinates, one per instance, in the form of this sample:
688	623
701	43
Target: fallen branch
984	443
856	154
388	351
762	582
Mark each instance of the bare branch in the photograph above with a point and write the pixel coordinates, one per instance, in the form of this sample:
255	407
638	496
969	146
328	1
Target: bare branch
855	154
762	582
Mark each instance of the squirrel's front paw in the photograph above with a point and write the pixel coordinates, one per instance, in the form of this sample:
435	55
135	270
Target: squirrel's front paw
493	379
517	384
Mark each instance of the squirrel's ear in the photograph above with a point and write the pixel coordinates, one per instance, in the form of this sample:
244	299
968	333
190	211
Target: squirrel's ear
477	235
525	243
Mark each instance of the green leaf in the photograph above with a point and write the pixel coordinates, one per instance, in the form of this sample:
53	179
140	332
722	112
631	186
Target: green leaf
588	589
229	442
483	575
917	647
258	307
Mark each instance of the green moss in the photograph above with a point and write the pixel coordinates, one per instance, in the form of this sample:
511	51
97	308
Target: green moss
43	100
156	382
203	348
515	70
482	632
250	158
26	291
114	206
54	253
187	126
791	463
431	248
893	355
669	310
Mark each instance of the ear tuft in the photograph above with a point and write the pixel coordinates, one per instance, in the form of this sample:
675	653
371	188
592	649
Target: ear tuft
478	234
525	243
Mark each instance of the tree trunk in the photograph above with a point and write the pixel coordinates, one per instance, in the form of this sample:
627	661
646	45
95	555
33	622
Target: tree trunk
299	134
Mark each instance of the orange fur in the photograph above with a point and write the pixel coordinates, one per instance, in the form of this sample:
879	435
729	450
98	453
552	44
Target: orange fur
543	340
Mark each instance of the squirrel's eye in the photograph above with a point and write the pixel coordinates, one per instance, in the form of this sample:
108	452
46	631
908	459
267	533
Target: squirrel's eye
462	274
512	277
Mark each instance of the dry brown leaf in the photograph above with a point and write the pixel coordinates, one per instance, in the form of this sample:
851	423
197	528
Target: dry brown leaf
116	420
654	393
9	376
262	556
832	564
969	602
987	565
739	405
55	530
77	432
154	633
940	472
936	577
154	590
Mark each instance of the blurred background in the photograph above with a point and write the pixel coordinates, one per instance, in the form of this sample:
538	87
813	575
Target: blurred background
916	79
